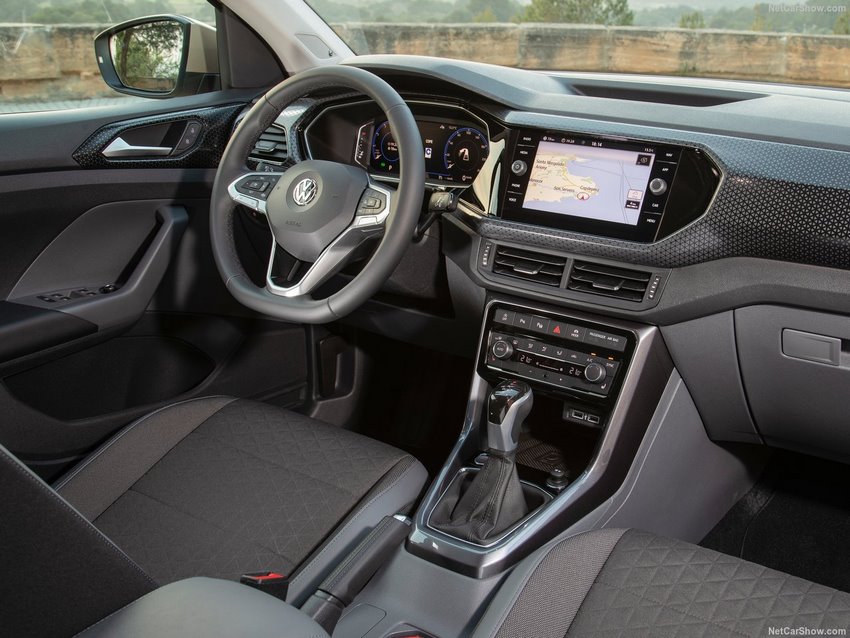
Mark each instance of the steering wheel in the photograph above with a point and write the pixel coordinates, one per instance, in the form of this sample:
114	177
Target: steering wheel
322	213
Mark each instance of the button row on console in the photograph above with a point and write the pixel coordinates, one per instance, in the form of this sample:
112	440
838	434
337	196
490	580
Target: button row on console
550	351
542	325
553	351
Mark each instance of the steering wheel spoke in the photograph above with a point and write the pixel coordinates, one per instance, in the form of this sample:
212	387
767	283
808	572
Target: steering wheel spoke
352	244
253	189
374	206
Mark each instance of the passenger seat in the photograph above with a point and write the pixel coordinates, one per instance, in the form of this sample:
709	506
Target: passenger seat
616	582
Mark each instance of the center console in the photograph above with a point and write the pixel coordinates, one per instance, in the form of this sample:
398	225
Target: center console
595	384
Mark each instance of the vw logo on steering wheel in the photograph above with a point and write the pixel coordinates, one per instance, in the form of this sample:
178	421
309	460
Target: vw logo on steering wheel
305	191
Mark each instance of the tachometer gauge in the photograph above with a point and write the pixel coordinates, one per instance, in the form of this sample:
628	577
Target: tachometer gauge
384	149
465	153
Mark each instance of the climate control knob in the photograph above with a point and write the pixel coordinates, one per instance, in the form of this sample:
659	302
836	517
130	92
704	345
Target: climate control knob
502	350
594	373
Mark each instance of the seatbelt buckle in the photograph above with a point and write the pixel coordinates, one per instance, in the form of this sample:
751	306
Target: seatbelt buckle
272	583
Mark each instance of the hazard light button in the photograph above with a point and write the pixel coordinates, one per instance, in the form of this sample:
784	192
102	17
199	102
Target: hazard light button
558	329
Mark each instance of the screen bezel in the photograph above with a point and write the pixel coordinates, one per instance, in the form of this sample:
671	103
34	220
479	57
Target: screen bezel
643	231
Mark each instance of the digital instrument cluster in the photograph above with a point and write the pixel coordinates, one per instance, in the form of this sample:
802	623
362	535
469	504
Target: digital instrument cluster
455	151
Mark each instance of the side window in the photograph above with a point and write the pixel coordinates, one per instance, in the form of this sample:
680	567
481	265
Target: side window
47	55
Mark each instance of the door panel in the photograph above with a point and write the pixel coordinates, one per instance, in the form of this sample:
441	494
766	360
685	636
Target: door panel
72	219
107	264
25	329
48	140
63	406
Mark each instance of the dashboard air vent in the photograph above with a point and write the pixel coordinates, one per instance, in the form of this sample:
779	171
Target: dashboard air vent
271	147
531	266
620	283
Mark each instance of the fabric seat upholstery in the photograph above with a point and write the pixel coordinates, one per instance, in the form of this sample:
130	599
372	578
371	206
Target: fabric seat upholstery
634	583
218	487
205	608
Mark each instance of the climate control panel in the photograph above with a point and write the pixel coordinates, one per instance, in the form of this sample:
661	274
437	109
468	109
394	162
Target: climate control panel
556	352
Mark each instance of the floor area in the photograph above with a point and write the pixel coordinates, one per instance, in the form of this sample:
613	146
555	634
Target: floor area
796	519
416	399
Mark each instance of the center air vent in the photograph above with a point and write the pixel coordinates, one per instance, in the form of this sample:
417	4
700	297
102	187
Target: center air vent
531	266
271	147
620	283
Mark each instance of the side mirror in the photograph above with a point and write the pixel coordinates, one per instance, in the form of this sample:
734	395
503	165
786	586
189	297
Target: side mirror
159	56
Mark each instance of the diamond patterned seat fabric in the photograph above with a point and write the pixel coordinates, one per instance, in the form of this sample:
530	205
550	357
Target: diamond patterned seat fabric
634	583
246	487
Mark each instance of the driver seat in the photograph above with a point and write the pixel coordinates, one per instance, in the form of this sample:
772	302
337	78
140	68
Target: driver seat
220	487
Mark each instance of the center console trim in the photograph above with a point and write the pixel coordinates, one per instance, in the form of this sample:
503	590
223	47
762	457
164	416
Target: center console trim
640	392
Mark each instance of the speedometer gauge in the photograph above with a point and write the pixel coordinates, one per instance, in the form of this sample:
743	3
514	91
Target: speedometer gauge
465	153
384	149
454	151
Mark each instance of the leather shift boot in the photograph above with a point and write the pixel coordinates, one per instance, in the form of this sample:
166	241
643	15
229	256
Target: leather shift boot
482	508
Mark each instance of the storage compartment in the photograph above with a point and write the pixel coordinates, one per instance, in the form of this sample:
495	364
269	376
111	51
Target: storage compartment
550	439
114	375
795	366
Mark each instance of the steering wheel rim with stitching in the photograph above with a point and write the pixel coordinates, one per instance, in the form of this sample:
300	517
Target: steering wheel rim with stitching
321	211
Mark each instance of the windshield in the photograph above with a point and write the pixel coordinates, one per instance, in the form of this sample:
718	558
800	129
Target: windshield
800	43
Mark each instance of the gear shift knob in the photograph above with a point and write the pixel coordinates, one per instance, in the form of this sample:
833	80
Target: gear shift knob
507	407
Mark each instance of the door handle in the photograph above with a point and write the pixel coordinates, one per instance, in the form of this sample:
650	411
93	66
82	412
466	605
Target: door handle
119	148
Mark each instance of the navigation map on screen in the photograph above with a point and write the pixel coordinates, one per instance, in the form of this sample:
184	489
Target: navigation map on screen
588	181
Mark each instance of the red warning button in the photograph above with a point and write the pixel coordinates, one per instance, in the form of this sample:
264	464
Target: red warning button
558	329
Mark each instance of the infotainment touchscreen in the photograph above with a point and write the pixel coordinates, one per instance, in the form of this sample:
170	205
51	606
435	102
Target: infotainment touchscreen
604	186
599	183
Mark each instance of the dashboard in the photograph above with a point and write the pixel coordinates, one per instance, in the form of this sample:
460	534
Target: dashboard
658	198
718	211
607	186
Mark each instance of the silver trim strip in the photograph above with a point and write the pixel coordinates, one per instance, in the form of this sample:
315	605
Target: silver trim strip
334	256
119	148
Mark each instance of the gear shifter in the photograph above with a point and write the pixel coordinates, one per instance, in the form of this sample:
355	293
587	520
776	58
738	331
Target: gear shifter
480	509
508	406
